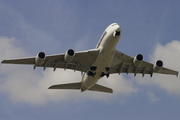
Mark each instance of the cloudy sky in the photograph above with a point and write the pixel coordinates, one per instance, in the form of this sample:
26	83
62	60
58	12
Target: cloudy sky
151	28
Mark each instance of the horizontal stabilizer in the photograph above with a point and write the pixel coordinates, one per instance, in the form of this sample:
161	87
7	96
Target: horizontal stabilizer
66	86
100	88
96	87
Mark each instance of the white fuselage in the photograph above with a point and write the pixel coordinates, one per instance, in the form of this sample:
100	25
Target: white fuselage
106	46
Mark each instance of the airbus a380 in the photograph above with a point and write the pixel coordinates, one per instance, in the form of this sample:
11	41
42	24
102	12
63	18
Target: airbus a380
96	63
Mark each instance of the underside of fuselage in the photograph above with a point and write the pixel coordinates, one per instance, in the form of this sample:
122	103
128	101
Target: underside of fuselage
100	67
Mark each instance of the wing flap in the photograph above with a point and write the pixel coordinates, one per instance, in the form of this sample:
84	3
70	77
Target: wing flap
71	66
141	71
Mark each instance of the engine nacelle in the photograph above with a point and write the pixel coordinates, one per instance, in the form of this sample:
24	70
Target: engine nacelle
40	58
157	66
69	55
137	60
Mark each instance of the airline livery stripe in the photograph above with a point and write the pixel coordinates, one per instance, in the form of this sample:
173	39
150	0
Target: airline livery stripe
101	39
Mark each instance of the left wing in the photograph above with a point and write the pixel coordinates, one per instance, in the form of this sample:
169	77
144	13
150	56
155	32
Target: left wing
81	61
123	63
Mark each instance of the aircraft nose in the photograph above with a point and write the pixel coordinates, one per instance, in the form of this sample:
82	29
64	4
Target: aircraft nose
118	28
117	31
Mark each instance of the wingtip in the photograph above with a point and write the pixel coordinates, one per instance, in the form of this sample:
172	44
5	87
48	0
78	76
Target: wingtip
3	61
111	91
50	87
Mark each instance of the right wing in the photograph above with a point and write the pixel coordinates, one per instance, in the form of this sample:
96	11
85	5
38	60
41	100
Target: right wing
123	63
81	61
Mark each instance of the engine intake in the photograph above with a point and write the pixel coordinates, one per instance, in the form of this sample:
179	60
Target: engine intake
40	58
69	55
138	60
157	66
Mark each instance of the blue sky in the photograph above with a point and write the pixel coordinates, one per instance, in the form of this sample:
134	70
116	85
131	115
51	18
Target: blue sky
148	27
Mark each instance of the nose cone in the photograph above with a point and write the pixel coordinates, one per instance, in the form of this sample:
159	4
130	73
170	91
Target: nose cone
117	28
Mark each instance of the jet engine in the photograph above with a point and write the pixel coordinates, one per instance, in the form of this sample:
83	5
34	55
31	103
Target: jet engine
40	58
137	60
157	66
69	55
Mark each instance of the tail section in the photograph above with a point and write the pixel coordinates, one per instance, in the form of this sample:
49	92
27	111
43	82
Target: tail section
101	88
66	86
77	86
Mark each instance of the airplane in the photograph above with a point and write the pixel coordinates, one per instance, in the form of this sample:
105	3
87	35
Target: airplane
96	63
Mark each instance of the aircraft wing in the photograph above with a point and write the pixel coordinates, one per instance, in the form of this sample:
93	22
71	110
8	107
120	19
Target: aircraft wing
81	61
123	63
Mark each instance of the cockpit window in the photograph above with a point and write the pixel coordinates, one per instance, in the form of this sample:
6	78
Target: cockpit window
118	33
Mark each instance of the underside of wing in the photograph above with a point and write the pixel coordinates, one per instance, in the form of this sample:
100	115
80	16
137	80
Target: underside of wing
20	61
123	63
79	61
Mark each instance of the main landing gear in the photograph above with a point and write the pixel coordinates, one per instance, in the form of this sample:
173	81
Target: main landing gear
92	72
89	73
103	74
107	72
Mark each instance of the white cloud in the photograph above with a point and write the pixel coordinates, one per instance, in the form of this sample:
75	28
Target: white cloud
23	84
170	55
152	97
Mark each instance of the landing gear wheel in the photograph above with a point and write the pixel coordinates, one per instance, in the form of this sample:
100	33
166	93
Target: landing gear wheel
107	69
102	74
107	75
90	73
